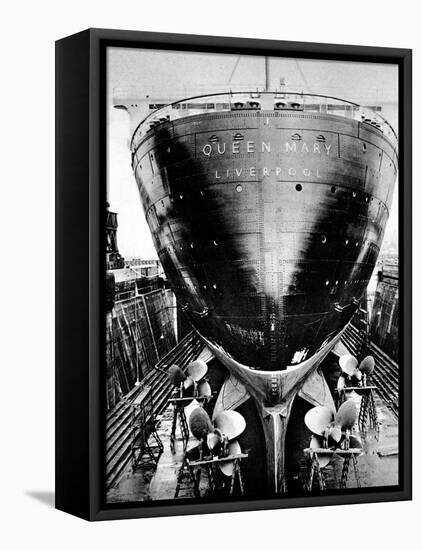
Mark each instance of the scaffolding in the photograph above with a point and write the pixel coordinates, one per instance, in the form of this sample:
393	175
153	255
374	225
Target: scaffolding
146	447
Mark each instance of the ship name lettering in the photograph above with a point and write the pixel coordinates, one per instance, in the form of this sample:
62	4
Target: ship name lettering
287	147
207	149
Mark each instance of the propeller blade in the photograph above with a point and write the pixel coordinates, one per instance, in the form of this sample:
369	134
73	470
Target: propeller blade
230	423
176	375
188	383
348	364
190	407
357	375
197	370
341	383
316	443
335	433
214	442
200	423
204	389
318	419
227	467
367	365
346	415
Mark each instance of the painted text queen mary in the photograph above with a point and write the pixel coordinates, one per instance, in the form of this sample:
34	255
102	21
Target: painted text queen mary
235	147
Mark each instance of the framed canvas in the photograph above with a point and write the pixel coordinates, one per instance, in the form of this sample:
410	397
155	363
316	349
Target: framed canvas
233	279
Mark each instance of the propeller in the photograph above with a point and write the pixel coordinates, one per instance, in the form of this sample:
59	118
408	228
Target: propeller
176	375
193	382
214	443
318	419
350	370
348	364
195	374
325	425
200	424
204	389
357	375
367	365
318	443
341	382
230	423
227	467
220	435
346	416
228	426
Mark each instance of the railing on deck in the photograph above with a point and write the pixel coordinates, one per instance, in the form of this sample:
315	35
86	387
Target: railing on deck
266	101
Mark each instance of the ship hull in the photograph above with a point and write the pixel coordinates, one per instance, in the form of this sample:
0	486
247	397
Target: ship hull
268	225
274	393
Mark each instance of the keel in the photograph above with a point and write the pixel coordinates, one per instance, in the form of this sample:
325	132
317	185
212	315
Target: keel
274	423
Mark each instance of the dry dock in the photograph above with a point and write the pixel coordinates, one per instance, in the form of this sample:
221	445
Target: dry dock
377	466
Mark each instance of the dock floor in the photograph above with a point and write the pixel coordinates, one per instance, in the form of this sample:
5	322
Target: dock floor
155	483
377	467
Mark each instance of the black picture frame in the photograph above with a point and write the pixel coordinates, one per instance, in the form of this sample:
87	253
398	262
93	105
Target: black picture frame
80	264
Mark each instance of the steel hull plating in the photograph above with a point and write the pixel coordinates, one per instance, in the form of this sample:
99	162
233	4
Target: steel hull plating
274	394
268	225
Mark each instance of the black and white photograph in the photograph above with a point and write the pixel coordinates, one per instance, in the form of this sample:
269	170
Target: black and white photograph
211	299
252	277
